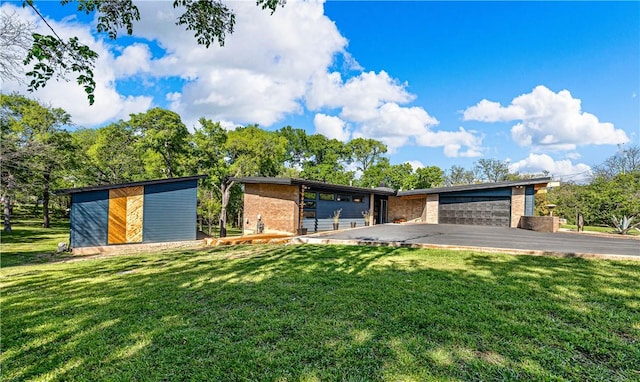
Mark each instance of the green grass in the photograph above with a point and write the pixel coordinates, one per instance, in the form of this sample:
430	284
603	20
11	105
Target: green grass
28	242
600	229
321	313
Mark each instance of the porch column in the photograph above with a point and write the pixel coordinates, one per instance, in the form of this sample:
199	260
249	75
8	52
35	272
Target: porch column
371	209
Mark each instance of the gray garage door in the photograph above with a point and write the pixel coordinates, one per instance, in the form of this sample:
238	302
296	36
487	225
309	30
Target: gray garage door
492	211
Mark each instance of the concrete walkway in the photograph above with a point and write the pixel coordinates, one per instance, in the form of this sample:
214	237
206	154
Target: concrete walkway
495	239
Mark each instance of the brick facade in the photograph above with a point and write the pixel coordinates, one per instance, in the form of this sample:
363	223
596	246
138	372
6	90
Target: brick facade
433	203
410	209
277	205
517	205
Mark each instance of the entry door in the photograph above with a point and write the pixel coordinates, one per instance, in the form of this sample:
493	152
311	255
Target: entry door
383	211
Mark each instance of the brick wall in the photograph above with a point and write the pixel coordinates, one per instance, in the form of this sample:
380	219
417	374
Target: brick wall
407	208
433	202
277	205
517	205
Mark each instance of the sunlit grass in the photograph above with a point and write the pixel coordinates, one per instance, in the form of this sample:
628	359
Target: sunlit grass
307	313
28	242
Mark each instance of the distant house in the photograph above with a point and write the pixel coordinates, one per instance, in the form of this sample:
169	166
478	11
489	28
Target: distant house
154	211
294	206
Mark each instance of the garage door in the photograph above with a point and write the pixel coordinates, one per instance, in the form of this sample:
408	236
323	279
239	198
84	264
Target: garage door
492	211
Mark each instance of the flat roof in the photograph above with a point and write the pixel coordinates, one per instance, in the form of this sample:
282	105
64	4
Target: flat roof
473	187
122	185
314	184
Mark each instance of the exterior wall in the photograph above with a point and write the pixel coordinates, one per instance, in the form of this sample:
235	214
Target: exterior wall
351	211
407	208
433	204
540	223
517	205
89	215
170	212
277	205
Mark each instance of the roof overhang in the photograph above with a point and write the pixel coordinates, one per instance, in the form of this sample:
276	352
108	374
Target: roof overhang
122	185
539	182
314	185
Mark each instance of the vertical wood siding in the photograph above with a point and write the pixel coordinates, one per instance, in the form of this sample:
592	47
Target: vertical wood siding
125	215
89	216
170	212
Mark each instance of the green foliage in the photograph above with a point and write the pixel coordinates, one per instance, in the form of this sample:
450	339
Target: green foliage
162	132
365	152
255	152
329	313
491	170
457	175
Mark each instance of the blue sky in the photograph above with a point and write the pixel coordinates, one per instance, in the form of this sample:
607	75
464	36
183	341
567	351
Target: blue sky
546	85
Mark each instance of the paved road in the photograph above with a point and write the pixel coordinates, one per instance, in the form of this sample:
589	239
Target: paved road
486	237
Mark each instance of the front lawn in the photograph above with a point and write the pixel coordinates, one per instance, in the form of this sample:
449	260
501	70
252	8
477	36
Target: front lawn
321	313
28	242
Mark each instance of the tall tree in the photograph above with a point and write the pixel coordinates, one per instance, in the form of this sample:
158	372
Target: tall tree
163	133
491	170
250	151
364	152
111	154
428	177
39	140
458	175
210	21
15	41
325	161
625	161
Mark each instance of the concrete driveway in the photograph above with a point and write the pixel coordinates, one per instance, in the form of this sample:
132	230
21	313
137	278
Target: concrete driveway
498	239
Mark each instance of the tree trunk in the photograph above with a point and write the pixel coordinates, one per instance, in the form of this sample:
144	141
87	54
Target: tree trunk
45	199
7	213
225	189
168	159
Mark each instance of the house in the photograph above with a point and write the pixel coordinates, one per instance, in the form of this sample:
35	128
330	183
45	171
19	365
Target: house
153	211
297	206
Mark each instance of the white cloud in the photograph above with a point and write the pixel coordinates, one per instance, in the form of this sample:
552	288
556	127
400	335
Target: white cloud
372	102
331	127
415	164
453	141
271	66
547	119
109	104
560	169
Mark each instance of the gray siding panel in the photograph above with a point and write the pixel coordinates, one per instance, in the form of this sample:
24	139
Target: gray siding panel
170	212
89	219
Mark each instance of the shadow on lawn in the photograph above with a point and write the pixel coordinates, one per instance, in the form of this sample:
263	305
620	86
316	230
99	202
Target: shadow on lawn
325	312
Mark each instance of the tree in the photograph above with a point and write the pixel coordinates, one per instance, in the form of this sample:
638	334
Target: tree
364	152
250	151
457	175
209	151
491	170
325	160
428	177
297	144
210	20
111	154
623	162
38	142
15	41
163	133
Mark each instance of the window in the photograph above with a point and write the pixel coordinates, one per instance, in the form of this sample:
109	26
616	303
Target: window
327	197
309	204
344	198
310	195
309	214
358	199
